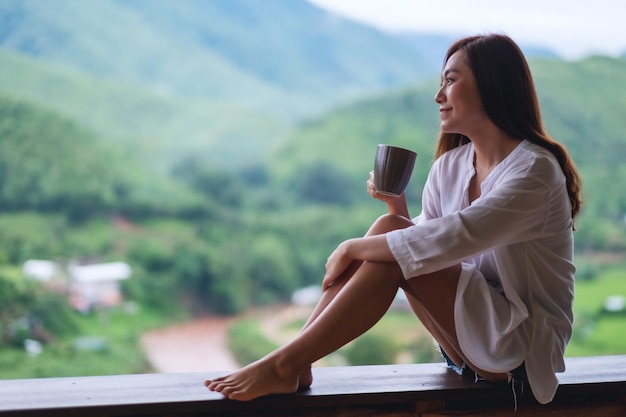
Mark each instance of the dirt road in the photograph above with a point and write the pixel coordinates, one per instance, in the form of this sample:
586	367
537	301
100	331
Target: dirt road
201	345
195	346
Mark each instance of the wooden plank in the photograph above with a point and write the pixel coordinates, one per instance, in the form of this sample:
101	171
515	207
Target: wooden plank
610	410
333	387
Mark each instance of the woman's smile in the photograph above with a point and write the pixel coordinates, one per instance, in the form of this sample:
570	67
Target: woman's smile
443	111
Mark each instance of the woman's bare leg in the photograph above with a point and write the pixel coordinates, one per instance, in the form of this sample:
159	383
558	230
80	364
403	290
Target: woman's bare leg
305	378
344	318
432	298
382	225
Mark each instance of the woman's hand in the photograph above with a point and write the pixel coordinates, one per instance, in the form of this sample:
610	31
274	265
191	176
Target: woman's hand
369	248
395	205
336	264
371	189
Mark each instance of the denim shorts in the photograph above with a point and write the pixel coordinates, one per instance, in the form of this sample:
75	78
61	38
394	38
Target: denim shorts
517	377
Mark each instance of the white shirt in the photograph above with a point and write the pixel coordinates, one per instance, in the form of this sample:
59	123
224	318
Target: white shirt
515	242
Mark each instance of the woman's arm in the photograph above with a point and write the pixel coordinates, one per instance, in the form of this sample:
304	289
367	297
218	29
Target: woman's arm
398	205
369	248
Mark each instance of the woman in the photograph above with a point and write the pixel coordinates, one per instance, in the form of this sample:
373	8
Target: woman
487	266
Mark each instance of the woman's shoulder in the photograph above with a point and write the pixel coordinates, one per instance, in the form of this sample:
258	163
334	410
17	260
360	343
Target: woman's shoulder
454	164
535	160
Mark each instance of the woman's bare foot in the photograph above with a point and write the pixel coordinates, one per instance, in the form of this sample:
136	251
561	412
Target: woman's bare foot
305	379
260	378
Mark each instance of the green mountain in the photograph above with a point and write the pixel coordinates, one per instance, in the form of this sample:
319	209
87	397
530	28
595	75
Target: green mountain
220	80
343	143
240	84
159	129
252	52
51	164
48	161
584	103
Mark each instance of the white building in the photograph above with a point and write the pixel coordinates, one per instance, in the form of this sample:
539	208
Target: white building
96	285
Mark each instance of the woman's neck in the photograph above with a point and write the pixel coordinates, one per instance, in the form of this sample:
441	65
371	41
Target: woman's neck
491	149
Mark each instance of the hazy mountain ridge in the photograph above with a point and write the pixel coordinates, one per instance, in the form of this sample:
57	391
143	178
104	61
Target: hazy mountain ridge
223	79
169	80
249	51
158	128
434	46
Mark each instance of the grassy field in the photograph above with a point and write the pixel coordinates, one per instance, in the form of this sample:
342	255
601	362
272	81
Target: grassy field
596	331
108	345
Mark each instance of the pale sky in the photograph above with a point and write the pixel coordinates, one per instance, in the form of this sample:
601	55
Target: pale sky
572	28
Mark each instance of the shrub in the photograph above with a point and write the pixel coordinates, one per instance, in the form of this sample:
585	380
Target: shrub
371	349
247	342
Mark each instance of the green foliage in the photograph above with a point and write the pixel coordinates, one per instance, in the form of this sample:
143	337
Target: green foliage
218	185
347	137
271	268
370	349
29	235
52	315
595	332
322	183
247	342
104	343
244	244
424	351
50	164
30	311
16	296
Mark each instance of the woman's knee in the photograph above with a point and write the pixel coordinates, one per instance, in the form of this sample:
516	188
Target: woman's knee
388	222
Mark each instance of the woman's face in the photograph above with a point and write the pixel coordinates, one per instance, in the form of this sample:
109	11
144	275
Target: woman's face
460	107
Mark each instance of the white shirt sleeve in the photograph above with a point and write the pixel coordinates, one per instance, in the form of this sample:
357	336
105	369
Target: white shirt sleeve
518	208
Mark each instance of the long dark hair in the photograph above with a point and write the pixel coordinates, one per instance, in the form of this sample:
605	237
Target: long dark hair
509	98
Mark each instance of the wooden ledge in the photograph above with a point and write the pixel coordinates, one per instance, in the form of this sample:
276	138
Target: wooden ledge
591	385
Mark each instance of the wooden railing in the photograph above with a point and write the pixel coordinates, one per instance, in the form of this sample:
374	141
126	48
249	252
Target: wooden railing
591	386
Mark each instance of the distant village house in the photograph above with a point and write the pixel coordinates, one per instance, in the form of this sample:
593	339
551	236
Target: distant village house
87	286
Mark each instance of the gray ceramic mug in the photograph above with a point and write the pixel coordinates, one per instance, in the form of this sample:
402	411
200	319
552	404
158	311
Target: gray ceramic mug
392	169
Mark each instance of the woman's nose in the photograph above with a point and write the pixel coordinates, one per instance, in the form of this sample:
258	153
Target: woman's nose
439	95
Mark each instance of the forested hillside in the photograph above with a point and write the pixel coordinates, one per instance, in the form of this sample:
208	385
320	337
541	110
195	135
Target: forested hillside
224	80
251	52
220	79
584	106
52	164
158	129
